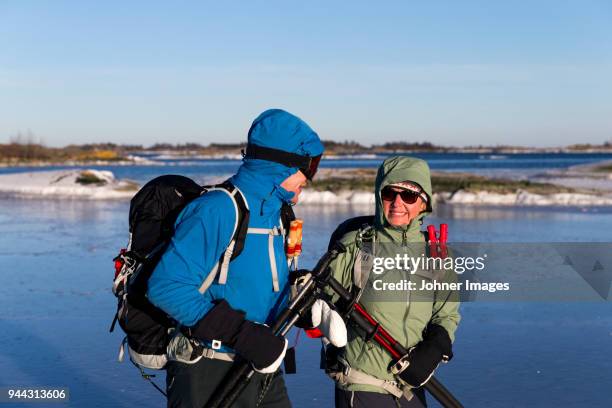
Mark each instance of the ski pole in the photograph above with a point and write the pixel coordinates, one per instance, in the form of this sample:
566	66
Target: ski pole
359	316
443	240
241	374
438	241
433	241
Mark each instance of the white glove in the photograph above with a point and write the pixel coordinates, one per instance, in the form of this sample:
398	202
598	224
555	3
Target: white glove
329	322
275	365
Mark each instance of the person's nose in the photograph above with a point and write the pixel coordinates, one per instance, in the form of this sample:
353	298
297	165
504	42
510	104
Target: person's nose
398	202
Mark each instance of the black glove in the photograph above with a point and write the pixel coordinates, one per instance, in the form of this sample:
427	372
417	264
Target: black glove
416	367
254	342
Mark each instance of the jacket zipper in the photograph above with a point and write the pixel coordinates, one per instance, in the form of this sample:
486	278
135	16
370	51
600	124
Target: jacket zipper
405	244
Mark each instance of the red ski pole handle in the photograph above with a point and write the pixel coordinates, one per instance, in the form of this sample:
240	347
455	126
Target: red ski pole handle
433	241
443	240
431	233
443	233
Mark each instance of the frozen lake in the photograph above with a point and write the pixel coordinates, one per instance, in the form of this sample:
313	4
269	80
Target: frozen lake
56	266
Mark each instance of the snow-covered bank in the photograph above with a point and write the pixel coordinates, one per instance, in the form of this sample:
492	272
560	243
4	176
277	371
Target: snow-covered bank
340	198
87	184
596	176
95	184
524	198
521	198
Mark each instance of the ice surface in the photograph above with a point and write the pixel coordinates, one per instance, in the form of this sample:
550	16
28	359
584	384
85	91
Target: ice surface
56	302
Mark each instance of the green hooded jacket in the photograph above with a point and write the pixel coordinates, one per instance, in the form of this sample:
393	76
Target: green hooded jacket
403	318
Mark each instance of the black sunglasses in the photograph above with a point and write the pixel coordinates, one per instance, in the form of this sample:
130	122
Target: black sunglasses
389	194
310	170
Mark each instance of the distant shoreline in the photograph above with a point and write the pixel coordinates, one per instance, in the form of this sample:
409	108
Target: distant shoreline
135	160
28	154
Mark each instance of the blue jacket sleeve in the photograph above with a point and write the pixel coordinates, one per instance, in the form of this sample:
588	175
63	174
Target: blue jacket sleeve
202	232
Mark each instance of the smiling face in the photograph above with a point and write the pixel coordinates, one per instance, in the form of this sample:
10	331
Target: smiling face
397	211
295	183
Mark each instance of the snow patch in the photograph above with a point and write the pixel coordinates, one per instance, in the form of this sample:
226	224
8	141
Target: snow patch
603	182
141	160
99	184
340	198
463	197
523	198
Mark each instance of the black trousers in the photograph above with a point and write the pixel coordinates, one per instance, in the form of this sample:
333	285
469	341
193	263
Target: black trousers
191	385
364	399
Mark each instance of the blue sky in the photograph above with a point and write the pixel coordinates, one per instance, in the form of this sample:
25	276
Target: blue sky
450	72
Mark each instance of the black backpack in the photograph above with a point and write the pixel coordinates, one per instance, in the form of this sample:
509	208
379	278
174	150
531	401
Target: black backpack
153	212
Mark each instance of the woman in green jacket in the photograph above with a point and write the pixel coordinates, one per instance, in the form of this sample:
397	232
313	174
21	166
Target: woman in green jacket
423	322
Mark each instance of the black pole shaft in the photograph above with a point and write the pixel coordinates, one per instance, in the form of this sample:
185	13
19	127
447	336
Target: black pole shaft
244	372
441	393
233	384
241	373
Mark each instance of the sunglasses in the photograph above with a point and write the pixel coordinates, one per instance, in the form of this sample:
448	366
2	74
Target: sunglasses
389	194
311	169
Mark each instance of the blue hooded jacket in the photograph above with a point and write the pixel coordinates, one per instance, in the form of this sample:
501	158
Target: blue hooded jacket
204	229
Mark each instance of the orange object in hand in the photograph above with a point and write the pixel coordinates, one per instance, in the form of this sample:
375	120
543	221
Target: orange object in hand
298	244
294	241
291	239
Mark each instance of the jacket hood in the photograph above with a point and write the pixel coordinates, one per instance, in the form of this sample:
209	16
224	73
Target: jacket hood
277	129
397	169
282	130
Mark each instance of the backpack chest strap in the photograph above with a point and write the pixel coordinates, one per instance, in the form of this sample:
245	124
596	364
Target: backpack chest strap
221	268
265	231
271	233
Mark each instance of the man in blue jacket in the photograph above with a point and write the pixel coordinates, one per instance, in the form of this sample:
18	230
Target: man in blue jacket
228	311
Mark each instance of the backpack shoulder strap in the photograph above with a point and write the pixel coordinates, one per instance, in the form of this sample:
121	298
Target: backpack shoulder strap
242	221
362	226
364	258
236	244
